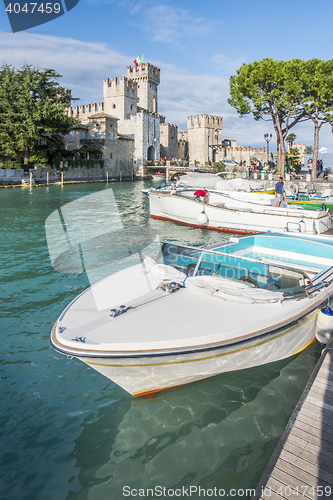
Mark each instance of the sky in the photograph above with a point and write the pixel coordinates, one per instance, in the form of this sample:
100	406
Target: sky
197	45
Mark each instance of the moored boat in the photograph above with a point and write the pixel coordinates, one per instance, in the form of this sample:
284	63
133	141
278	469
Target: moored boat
196	312
311	203
233	213
159	176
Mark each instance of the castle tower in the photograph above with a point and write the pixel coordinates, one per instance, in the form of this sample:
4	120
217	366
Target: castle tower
169	140
204	136
147	78
120	97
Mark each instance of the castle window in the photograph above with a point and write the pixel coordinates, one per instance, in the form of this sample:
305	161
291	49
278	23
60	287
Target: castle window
111	136
96	135
72	136
84	134
113	105
111	155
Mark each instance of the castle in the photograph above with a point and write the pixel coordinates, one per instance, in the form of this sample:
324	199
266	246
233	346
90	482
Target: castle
130	133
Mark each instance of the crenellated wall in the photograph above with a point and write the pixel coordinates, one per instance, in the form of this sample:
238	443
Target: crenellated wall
204	121
144	71
147	78
83	111
204	133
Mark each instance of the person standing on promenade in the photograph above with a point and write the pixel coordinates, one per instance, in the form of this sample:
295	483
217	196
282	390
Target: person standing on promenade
279	191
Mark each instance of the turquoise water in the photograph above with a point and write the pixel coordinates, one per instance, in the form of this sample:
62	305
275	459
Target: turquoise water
67	432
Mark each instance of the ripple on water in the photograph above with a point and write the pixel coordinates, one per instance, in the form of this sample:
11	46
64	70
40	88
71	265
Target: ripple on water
67	432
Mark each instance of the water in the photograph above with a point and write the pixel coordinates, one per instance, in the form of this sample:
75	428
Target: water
67	432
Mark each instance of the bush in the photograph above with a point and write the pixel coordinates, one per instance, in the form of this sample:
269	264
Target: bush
218	166
9	164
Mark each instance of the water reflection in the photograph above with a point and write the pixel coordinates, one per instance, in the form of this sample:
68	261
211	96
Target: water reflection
215	433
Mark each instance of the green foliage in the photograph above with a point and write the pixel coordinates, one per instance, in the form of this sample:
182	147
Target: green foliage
308	150
8	164
39	159
291	138
285	92
295	152
219	167
32	107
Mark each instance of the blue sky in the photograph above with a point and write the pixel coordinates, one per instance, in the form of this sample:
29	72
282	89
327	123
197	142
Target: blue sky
197	44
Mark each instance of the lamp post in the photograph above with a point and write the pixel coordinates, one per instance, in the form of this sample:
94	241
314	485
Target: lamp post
268	137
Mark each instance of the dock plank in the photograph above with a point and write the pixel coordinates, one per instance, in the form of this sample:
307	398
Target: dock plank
325	462
302	462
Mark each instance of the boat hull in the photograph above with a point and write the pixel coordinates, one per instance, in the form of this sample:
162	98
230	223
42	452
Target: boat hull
243	218
148	375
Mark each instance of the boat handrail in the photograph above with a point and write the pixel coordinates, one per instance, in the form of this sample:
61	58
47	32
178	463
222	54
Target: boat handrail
283	211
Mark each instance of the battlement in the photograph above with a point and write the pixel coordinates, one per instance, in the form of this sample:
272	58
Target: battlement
204	121
170	126
122	81
116	87
84	110
144	71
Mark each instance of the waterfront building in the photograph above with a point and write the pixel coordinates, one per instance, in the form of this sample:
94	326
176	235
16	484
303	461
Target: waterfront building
130	133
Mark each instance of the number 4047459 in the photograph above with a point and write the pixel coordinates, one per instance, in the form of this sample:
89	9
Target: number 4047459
30	8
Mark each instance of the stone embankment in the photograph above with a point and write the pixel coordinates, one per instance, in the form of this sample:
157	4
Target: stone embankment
42	176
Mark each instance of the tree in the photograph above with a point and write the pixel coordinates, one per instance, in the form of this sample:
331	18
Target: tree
315	95
291	139
267	90
32	112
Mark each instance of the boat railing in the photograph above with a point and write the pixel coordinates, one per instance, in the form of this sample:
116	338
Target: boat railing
283	211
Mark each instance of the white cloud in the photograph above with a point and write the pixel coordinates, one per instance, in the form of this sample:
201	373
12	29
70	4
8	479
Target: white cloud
83	65
181	94
167	23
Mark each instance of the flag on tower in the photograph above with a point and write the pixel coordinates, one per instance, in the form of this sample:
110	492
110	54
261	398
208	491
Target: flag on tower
138	60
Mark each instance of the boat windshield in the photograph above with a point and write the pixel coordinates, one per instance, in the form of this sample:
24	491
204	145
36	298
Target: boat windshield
254	272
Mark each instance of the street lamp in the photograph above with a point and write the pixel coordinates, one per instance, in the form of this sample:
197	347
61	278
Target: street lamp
268	137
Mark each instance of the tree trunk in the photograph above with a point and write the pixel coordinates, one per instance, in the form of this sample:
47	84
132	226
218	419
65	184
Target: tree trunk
315	150
281	158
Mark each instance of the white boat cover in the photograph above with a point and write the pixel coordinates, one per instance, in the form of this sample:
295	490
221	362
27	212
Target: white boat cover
237	184
214	181
223	288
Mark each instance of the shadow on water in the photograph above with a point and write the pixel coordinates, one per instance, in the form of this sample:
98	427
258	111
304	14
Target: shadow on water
216	433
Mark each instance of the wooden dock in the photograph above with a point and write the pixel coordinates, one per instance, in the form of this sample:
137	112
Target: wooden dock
302	463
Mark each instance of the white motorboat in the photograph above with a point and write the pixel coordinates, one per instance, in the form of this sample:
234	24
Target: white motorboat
192	312
235	212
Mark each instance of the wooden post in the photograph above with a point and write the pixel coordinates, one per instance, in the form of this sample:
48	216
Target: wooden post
30	174
107	176
47	178
62	178
167	170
